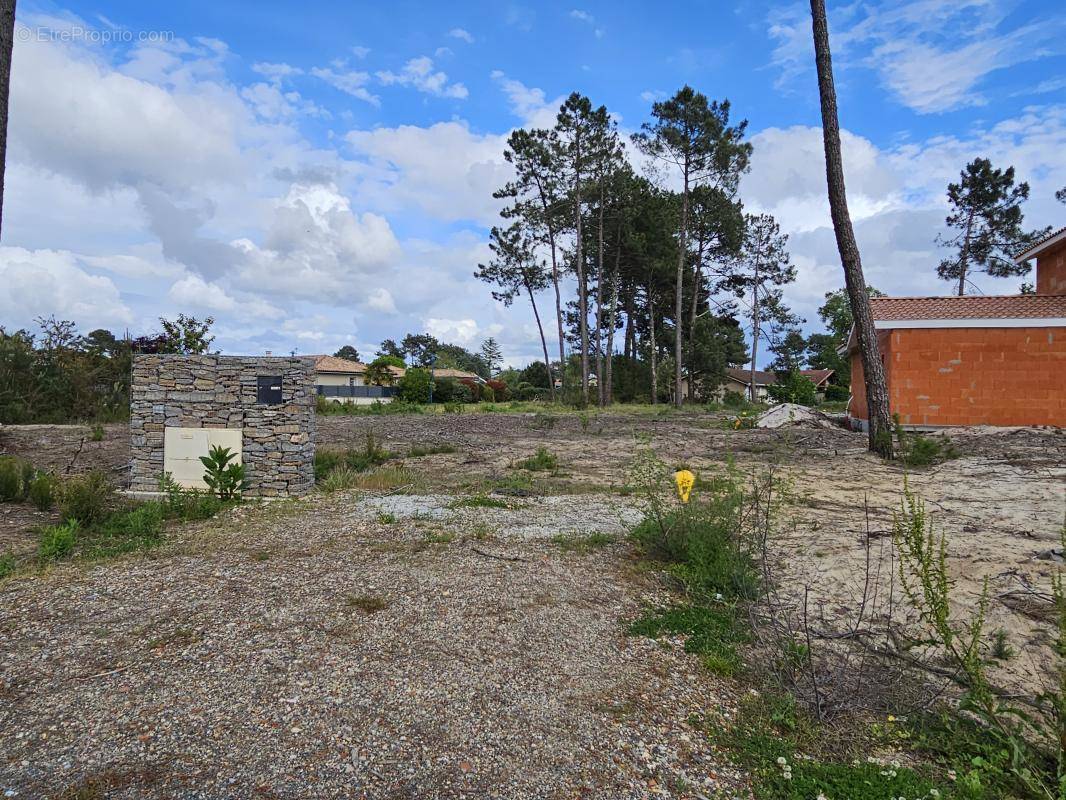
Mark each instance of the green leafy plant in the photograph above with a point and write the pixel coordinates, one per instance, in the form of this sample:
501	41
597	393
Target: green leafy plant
793	387
10	479
187	504
713	633
57	541
96	433
8	564
222	475
916	450
478	501
544	460
86	498
1032	743
42	491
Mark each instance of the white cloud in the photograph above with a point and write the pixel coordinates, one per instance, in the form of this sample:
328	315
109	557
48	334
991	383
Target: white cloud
897	199
932	56
194	292
360	52
316	248
351	82
653	96
444	170
460	33
458	331
381	299
46	282
419	74
120	128
528	103
586	17
276	73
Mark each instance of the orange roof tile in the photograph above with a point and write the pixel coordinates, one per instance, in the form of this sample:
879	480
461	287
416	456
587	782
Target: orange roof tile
1019	306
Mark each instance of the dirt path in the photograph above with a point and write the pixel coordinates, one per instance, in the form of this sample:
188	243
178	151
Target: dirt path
252	659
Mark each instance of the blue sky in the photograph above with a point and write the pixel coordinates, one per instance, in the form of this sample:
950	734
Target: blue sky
319	174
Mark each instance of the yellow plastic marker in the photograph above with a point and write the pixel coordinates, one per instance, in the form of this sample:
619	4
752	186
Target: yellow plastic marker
684	480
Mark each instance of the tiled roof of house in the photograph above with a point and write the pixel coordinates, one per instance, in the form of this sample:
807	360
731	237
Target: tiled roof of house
817	376
1033	306
458	374
334	364
767	377
1035	248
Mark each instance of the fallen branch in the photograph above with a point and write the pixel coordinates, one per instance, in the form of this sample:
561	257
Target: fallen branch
487	554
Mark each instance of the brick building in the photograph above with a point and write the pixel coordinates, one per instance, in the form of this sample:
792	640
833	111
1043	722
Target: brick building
975	360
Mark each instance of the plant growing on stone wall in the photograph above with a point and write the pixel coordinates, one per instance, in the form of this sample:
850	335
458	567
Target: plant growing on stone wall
226	479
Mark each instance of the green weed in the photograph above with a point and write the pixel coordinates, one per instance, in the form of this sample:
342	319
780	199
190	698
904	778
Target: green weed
57	541
713	633
542	461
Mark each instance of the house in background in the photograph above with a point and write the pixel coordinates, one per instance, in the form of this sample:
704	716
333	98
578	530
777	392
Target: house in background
457	374
738	381
339	380
977	359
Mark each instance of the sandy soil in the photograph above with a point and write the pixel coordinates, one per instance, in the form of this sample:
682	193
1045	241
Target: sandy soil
235	661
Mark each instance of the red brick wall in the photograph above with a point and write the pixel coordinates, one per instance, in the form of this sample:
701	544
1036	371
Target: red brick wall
1051	271
973	376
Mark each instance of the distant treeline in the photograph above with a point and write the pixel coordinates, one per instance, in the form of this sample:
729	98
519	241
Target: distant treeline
58	375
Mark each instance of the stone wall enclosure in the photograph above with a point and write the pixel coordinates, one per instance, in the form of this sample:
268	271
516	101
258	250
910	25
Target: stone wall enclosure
212	391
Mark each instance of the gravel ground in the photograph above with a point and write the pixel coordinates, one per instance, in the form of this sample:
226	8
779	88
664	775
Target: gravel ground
307	650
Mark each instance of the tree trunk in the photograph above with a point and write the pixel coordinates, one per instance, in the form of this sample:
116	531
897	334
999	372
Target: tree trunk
543	343
651	349
582	287
599	305
754	333
608	375
7	41
873	370
558	297
679	311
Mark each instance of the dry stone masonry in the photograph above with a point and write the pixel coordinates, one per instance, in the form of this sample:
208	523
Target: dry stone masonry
212	391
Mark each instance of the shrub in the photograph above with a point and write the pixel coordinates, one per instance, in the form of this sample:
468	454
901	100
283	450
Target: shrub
792	387
134	528
445	389
499	390
916	450
223	477
734	400
371	454
96	433
86	498
42	491
473	387
543	460
57	541
414	386
27	476
16	474
187	504
836	393
488	394
10	479
7	564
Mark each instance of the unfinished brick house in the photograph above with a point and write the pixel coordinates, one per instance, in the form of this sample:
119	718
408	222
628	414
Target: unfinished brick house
975	360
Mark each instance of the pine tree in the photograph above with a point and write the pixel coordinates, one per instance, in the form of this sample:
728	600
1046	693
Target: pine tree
348	352
880	432
762	265
986	218
693	136
491	353
514	268
537	203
